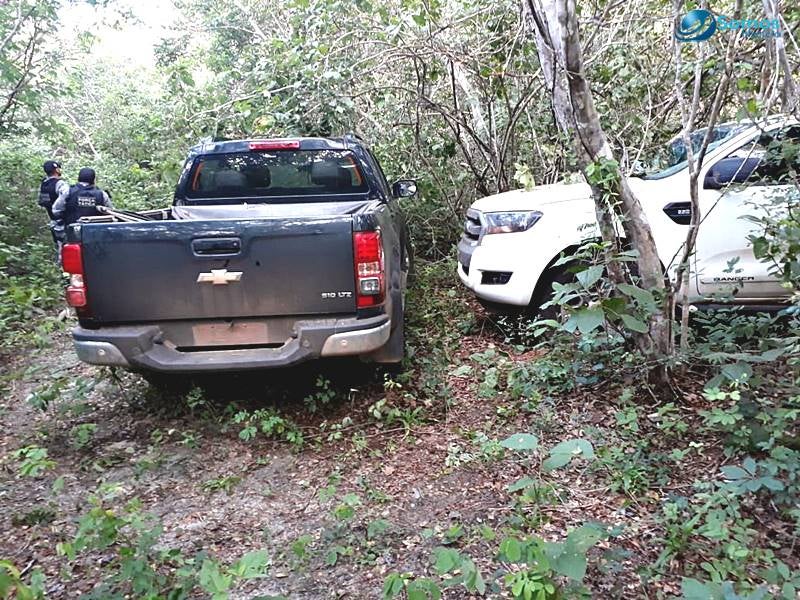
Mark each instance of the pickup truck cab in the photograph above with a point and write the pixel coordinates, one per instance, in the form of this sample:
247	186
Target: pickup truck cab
511	240
274	252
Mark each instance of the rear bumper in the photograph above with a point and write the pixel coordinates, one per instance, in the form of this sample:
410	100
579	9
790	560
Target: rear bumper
142	347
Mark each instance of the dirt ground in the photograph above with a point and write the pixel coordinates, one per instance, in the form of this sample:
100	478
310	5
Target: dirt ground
213	491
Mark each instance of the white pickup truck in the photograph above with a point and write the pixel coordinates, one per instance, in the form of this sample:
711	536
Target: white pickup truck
511	240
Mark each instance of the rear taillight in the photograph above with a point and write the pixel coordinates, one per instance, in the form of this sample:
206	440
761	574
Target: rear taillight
72	261
368	259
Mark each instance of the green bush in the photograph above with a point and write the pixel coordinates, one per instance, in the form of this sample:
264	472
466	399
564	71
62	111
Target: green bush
29	276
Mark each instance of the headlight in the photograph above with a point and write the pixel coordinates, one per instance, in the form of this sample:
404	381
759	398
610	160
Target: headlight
509	222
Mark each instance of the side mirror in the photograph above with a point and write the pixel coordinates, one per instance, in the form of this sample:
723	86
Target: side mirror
711	181
404	188
729	170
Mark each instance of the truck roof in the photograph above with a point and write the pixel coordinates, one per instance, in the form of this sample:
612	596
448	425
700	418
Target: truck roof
345	142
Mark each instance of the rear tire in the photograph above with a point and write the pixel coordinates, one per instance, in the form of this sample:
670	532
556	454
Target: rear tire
393	351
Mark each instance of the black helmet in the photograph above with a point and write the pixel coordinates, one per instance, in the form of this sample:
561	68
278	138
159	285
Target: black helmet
86	175
50	166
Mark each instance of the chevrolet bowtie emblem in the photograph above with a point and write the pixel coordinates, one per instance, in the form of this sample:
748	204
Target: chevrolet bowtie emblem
219	277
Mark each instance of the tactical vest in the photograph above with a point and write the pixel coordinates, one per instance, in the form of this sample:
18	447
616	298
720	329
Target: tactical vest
48	194
82	202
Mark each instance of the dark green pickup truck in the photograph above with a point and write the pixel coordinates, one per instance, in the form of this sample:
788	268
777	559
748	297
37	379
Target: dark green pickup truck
274	252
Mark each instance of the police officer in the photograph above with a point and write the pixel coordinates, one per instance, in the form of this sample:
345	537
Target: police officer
51	189
82	200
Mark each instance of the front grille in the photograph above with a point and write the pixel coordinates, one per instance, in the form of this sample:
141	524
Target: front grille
472	226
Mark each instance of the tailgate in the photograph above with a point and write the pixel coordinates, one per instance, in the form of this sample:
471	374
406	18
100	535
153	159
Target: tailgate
166	270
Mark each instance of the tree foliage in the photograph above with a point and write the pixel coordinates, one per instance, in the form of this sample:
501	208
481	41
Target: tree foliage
28	60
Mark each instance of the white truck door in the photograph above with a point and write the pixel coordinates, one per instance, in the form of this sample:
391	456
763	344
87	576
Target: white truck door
743	186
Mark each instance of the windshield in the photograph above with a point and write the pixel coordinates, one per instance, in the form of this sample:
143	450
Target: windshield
671	158
258	176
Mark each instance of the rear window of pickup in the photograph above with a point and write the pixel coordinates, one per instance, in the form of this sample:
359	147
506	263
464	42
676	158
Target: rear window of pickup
275	173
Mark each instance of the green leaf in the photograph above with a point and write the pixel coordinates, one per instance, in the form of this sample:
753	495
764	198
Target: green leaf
760	247
473	580
588	277
423	589
644	297
783	570
415	593
634	324
556	462
614	306
511	549
733	472
351	499
251	565
212	580
446	560
377	527
788	591
461	371
772	484
771	355
487	388
586	319
520	442
738	372
569	558
344	512
697	590
563	453
584	537
571	564
9	575
392	586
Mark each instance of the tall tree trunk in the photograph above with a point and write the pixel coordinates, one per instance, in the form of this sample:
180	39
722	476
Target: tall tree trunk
547	32
591	146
